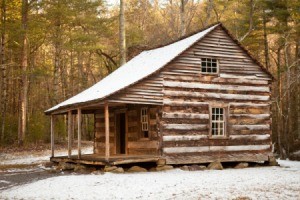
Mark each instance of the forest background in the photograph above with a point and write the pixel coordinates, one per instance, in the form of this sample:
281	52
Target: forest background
52	49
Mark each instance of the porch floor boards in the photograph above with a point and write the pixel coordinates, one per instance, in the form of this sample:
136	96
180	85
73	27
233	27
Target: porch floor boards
96	159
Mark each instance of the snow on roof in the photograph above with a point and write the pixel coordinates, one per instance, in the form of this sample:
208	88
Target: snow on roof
136	69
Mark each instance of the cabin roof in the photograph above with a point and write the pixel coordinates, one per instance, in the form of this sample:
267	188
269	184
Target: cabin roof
140	67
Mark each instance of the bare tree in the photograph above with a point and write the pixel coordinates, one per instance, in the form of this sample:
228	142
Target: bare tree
182	17
24	79
122	33
266	45
57	54
251	27
3	87
209	9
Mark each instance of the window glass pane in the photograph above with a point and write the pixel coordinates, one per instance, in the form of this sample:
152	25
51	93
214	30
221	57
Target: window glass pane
209	65
217	123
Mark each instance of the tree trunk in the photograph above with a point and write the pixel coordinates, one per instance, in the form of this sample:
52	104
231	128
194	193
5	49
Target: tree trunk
3	70
182	18
279	106
122	33
57	56
266	46
24	79
208	12
298	85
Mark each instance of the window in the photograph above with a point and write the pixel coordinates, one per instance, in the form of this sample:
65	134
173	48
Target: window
144	122
218	122
209	66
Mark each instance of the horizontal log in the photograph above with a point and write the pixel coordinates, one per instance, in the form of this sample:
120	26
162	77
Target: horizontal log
253	77
202	109
101	138
218	55
102	145
251	127
217	95
199	137
183	103
143	151
169	132
236	104
186	115
213	79
211	157
249	110
251	136
248	121
253	116
101	125
215	148
185	126
146	144
194	121
194	85
183	137
250	132
136	101
211	142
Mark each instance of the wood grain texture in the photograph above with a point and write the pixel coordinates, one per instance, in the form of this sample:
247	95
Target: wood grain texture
241	86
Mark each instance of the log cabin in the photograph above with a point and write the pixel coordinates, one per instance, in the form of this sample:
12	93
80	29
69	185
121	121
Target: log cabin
199	99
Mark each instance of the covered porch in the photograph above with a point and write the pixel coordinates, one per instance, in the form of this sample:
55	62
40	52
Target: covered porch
117	135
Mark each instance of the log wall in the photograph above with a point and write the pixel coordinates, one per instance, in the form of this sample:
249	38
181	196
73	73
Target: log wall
136	145
241	86
147	91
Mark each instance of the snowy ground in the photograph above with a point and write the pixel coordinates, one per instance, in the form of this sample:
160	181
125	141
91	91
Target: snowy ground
22	158
250	183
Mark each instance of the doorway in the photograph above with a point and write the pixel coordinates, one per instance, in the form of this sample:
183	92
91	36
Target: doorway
121	133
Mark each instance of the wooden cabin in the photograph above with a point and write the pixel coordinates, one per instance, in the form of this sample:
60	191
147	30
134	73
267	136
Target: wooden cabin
200	99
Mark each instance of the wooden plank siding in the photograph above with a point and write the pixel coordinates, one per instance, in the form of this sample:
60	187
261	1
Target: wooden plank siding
147	91
241	85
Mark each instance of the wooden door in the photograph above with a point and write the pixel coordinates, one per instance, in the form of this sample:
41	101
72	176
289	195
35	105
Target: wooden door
121	133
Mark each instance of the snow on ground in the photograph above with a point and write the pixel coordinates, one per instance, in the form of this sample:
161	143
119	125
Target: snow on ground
27	159
254	183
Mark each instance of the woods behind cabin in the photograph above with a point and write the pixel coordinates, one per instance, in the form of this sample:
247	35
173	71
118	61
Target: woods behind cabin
52	49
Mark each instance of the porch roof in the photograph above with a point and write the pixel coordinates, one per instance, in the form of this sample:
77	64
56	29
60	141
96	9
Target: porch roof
138	68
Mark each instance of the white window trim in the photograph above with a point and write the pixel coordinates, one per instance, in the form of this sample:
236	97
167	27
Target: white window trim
225	118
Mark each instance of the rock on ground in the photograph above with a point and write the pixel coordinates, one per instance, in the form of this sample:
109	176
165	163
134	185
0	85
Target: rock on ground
136	169
215	165
164	167
241	165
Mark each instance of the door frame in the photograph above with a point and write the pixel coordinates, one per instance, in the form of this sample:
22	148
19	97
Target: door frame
121	111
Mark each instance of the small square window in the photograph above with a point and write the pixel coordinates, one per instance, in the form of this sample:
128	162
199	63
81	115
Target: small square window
209	65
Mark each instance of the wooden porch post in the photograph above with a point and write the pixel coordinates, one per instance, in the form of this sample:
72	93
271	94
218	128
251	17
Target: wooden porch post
69	133
79	132
106	114
52	136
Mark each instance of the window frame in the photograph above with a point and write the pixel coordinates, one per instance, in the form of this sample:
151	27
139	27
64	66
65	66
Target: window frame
144	121
225	119
210	73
